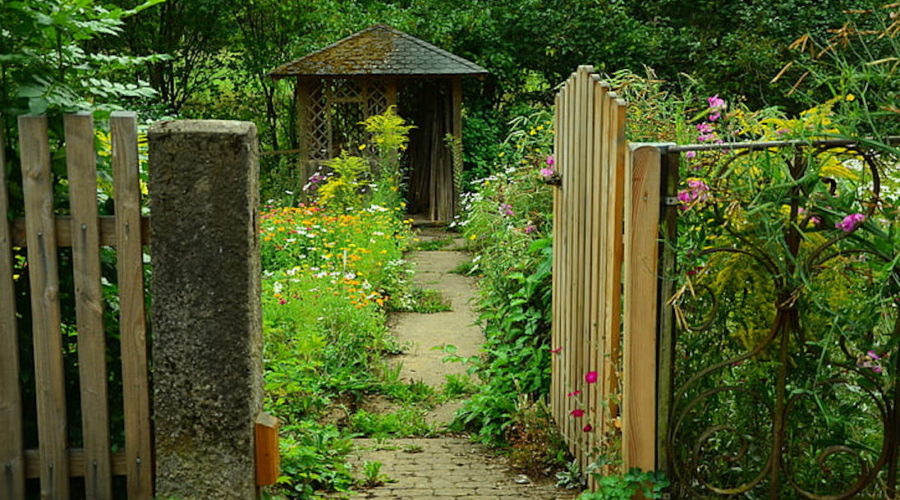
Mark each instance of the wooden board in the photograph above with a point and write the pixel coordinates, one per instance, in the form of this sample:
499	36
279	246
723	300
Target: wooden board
82	169
131	299
44	280
268	458
106	223
77	464
12	467
640	277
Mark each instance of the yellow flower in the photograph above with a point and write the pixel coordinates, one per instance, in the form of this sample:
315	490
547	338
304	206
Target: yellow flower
850	98
474	236
362	146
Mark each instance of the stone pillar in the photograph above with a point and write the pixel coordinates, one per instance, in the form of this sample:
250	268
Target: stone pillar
206	321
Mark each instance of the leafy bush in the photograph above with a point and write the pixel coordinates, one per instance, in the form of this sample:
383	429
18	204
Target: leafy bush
507	223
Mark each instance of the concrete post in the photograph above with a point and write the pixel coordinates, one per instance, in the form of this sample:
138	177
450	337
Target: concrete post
206	322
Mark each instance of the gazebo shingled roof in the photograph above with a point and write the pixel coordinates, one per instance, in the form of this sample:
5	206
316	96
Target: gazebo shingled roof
379	50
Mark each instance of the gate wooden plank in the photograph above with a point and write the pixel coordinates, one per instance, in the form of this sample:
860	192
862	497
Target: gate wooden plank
601	394
82	168
614	264
12	466
571	210
595	209
44	280
590	171
564	264
555	292
132	315
642	209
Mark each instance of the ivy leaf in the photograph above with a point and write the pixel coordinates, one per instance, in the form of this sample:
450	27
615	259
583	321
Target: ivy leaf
37	105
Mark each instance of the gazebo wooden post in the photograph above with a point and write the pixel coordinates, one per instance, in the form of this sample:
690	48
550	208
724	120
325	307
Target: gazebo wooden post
303	94
390	86
456	96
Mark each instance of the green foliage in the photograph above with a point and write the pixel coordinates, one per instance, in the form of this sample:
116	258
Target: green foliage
432	244
457	385
626	486
312	458
372	475
406	422
422	300
46	61
507	222
343	189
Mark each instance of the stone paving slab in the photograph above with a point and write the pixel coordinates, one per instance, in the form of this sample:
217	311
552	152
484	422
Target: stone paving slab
445	468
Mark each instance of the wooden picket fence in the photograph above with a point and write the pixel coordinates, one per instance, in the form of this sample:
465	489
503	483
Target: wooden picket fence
43	232
606	213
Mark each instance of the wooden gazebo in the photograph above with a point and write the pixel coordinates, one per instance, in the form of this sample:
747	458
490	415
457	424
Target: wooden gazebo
360	76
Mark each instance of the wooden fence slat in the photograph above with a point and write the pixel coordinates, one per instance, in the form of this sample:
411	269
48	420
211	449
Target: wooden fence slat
640	277
555	342
590	171
132	315
594	208
571	169
82	168
614	264
602	394
12	466
577	244
44	280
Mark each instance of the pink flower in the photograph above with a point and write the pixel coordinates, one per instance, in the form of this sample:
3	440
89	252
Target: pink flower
704	127
506	209
873	355
550	161
577	413
547	172
587	428
697	191
691	154
715	102
715	116
557	350
706	137
850	222
815	220
573	394
282	301
877	369
590	377
530	229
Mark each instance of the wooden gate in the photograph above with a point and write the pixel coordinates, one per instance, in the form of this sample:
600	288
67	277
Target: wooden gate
38	240
606	220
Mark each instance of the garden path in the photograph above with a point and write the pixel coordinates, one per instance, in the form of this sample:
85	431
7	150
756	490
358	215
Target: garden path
443	467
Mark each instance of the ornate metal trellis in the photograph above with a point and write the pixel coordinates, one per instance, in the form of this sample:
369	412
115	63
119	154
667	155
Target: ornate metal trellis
784	361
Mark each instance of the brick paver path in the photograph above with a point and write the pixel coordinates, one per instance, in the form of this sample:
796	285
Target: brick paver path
447	468
444	468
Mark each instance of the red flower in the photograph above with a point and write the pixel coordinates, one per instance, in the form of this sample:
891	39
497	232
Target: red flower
557	350
590	377
573	393
588	428
577	412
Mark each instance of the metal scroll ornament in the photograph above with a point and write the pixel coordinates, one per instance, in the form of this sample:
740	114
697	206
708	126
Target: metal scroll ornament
786	343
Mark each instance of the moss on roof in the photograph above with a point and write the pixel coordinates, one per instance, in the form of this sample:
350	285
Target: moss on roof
379	50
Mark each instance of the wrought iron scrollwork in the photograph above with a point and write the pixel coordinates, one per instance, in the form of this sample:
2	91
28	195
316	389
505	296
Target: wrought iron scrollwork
789	405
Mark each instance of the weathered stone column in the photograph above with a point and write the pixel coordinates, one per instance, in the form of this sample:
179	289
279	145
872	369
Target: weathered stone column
206	323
